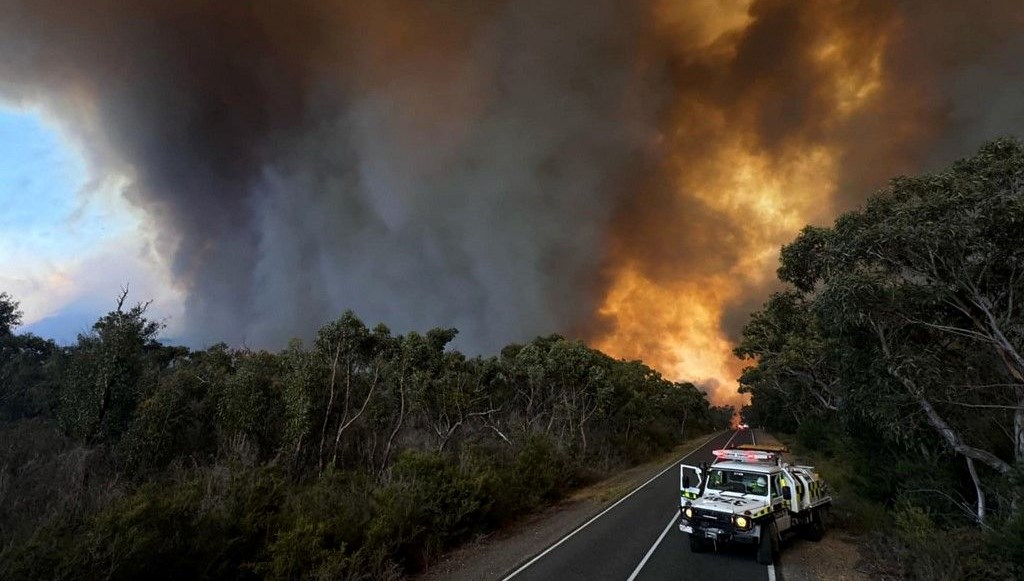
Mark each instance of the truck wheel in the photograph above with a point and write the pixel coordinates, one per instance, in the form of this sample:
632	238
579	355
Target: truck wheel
815	529
697	544
767	544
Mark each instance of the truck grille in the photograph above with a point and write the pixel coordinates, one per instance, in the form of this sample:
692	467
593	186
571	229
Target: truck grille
713	518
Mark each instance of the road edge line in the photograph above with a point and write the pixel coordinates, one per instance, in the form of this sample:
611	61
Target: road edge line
617	503
671	521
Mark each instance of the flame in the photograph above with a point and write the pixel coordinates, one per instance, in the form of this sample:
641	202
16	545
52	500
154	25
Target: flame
667	327
675	324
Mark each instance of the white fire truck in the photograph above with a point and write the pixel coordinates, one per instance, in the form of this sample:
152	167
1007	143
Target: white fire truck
749	495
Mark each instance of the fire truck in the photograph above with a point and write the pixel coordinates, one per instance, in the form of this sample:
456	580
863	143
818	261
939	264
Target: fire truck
750	495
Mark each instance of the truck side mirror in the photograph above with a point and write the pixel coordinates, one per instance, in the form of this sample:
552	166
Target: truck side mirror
686	481
786	493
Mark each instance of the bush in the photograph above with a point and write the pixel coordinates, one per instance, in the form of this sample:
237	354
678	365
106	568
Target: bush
963	552
428	506
322	530
123	458
211	526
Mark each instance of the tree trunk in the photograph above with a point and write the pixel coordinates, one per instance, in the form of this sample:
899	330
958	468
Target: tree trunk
955	441
978	490
398	426
327	414
1018	427
951	436
342	426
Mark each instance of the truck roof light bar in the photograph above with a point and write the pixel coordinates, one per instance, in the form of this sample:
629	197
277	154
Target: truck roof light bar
739	455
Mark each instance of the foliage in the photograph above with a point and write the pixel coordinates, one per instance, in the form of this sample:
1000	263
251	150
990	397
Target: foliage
10	314
360	456
899	340
108	372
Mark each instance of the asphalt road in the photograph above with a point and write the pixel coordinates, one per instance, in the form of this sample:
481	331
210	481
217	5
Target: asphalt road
638	538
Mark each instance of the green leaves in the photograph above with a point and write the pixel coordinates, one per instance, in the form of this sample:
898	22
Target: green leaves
10	314
905	315
108	372
358	456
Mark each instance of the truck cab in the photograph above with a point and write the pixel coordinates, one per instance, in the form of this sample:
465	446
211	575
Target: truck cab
749	495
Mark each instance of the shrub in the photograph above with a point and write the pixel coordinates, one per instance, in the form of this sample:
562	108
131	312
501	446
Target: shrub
322	530
428	506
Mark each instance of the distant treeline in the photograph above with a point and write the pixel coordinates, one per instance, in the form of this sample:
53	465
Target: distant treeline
360	456
898	347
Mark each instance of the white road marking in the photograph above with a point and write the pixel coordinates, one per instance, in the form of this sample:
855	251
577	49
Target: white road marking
771	568
603	512
726	443
671	521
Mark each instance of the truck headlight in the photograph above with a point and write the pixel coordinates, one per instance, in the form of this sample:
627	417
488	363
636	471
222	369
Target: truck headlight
688	512
742	522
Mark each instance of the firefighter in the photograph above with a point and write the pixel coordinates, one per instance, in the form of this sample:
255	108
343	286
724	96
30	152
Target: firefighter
760	486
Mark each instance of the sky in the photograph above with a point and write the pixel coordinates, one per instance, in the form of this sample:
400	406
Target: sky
68	241
620	171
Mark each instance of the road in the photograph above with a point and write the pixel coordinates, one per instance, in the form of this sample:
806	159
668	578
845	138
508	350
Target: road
638	538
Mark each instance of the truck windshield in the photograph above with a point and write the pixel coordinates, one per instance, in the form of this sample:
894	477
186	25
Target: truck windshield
736	481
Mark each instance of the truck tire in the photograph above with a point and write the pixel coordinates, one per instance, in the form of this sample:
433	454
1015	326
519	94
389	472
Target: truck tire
815	530
697	544
767	544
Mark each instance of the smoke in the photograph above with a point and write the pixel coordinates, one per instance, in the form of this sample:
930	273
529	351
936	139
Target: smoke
786	113
619	170
449	163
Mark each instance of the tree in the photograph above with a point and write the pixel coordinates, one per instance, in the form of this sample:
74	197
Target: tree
178	420
911	304
794	363
932	267
109	371
10	315
249	408
454	397
27	369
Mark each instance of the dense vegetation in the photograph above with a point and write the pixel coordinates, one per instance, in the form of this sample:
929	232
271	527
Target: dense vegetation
898	349
361	456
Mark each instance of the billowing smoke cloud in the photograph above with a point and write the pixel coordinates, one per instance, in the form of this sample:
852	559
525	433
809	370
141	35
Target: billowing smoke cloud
619	169
448	163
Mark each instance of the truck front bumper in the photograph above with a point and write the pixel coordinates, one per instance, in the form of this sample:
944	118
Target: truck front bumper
718	534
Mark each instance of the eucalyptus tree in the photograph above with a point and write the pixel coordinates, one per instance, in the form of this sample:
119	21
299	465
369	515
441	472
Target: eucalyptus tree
108	372
907	311
795	365
10	314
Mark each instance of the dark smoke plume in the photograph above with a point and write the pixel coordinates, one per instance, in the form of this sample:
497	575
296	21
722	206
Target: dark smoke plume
446	163
498	166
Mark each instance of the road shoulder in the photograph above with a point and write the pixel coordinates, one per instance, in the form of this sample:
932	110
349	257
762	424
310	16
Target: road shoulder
834	558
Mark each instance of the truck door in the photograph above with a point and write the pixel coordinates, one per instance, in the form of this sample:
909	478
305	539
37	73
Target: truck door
783	520
691	483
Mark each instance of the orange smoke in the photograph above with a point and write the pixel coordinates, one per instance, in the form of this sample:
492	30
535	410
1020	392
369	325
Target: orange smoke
759	190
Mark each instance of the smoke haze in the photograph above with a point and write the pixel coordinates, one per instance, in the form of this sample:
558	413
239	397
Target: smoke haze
614	169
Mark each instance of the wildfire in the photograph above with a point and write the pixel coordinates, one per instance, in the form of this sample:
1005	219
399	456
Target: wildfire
672	329
762	193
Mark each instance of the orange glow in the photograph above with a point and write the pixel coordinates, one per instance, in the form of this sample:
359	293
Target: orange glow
768	194
676	328
668	328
